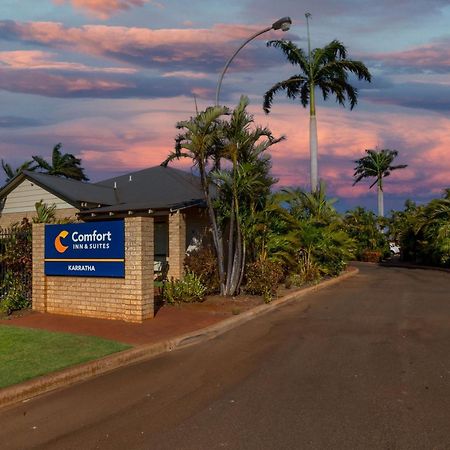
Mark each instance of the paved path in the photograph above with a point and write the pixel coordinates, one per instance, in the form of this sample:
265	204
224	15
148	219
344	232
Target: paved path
361	365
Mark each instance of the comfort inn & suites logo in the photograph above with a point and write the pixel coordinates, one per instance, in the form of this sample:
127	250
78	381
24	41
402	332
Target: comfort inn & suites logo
61	248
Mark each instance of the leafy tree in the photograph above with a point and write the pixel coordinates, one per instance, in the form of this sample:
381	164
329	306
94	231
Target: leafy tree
63	165
11	173
239	189
377	164
324	68
201	141
364	227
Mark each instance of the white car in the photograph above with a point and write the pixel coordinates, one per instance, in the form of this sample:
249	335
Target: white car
394	248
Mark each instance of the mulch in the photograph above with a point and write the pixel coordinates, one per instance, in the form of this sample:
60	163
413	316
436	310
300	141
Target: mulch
170	321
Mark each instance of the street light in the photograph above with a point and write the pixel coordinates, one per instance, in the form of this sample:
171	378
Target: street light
281	24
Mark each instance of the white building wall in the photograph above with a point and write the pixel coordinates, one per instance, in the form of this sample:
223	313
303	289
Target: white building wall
26	194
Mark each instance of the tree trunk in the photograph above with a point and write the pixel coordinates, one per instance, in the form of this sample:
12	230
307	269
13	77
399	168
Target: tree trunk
313	142
380	198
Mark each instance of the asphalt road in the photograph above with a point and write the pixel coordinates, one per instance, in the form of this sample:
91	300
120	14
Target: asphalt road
361	365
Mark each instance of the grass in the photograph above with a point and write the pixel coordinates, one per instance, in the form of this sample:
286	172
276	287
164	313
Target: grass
27	353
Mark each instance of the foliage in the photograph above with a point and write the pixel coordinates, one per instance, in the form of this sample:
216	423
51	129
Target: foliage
326	68
16	248
424	231
263	277
239	189
16	295
16	260
203	263
47	214
377	164
365	229
187	290
11	173
63	165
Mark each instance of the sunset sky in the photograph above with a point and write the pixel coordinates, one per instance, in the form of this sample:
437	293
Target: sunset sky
110	79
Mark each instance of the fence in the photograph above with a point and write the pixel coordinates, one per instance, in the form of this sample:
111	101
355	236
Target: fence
15	260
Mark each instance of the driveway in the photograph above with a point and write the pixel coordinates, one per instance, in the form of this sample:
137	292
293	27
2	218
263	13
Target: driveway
361	365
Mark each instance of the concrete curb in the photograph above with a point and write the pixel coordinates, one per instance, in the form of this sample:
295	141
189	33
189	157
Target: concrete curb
46	383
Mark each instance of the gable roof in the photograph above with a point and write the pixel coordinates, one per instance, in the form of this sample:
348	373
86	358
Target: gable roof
155	188
73	192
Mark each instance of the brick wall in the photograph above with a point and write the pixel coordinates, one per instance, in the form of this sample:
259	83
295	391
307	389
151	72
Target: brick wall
177	244
130	298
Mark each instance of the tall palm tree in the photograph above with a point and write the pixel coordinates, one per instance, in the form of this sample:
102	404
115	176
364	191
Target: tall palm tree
63	165
377	164
326	68
11	173
201	141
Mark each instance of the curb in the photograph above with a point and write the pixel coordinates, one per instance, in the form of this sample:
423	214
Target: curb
66	377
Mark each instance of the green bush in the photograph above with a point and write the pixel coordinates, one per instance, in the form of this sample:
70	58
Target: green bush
16	294
203	263
263	277
187	290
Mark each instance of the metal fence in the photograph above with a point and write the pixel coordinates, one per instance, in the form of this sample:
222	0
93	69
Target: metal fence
15	261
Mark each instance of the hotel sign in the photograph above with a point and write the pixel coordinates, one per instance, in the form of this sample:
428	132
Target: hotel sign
94	249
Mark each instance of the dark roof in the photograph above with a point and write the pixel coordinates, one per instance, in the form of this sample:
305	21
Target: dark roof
72	191
155	188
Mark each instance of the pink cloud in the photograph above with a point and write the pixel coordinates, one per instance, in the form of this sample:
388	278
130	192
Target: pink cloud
434	57
139	45
104	8
37	59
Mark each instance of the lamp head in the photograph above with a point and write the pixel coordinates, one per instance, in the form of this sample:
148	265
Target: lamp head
282	24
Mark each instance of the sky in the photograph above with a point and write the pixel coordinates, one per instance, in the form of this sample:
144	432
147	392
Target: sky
110	79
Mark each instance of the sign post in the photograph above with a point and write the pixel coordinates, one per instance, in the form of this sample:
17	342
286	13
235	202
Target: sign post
95	249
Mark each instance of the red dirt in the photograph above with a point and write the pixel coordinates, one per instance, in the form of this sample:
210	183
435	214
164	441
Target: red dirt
170	321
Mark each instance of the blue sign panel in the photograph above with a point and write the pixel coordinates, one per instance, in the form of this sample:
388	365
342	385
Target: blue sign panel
95	249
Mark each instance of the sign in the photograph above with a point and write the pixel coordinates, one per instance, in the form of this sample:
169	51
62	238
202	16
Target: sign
94	249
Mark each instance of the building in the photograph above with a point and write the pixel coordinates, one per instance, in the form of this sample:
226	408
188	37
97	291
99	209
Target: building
174	199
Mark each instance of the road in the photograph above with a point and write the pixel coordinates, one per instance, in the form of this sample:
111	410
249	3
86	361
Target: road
364	364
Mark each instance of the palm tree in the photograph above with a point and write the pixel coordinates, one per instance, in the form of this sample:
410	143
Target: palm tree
63	165
378	164
326	68
201	141
11	173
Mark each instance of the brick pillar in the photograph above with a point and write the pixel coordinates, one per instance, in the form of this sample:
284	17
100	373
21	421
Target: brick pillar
139	256
177	244
39	290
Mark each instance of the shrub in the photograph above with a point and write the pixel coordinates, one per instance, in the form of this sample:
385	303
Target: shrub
16	294
187	290
203	263
263	277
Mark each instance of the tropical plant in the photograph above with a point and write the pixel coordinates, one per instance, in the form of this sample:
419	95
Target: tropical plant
240	189
189	289
201	141
63	165
324	68
11	173
377	164
364	227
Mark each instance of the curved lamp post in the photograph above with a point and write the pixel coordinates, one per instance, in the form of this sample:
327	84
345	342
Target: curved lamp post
282	24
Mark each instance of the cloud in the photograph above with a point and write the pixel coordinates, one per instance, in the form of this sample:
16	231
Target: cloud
429	58
71	84
18	122
434	97
167	49
104	8
37	59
